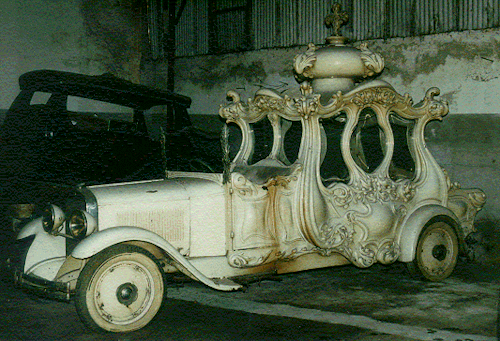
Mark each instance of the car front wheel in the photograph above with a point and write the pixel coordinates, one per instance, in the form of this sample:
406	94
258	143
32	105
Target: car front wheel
119	290
437	252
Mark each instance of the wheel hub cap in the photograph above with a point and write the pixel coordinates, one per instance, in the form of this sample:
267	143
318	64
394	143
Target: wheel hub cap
439	252
126	294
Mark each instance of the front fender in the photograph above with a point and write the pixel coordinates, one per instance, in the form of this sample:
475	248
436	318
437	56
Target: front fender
412	227
32	227
101	240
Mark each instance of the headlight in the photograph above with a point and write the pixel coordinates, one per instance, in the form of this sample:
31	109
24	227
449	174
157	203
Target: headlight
81	224
52	219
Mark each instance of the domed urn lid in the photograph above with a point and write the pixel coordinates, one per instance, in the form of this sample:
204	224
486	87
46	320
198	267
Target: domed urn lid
336	66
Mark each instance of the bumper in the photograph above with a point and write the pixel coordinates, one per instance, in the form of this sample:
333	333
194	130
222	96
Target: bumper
34	284
42	287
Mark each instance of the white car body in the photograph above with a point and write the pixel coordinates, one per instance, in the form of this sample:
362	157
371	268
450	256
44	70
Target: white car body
269	216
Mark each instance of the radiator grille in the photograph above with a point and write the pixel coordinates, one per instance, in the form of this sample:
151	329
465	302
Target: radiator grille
169	224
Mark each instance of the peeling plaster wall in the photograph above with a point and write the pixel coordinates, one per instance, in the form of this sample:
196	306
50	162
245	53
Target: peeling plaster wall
208	78
87	36
464	65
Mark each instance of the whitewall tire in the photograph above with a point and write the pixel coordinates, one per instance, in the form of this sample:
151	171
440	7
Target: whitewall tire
120	289
437	252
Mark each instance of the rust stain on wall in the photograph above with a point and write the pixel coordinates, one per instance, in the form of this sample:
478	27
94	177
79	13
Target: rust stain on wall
214	70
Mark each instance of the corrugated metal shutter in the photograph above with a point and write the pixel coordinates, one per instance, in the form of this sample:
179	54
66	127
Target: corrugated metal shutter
192	30
284	23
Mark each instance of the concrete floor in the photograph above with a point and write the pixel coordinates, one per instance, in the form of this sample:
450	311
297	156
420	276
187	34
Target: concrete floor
343	303
382	299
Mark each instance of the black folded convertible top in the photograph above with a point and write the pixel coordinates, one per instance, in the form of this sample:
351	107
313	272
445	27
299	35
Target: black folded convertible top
106	87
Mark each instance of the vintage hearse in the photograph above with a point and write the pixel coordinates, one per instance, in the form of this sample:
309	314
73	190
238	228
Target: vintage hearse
344	176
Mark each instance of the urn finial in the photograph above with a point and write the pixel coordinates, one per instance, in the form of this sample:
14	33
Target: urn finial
336	66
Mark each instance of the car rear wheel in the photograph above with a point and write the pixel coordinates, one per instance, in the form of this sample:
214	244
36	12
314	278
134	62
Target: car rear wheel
436	254
120	289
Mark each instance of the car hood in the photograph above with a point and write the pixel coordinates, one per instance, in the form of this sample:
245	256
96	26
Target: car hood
144	192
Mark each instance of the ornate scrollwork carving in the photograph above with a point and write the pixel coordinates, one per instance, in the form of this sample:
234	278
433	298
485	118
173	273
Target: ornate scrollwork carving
238	111
334	234
244	260
243	187
435	108
466	203
374	63
232	111
303	62
341	196
363	254
290	254
388	252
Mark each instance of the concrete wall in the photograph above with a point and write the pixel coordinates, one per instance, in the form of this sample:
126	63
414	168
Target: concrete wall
87	36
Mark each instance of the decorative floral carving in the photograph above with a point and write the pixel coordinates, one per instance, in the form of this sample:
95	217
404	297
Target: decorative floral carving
268	103
306	89
307	106
374	62
372	190
383	96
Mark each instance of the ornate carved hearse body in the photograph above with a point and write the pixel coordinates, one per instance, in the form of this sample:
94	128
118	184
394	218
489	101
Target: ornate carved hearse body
290	209
346	178
287	210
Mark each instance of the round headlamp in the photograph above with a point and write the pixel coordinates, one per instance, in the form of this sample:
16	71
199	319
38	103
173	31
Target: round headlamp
52	219
81	224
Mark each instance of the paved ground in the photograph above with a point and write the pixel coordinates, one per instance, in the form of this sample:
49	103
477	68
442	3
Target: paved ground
343	303
383	299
